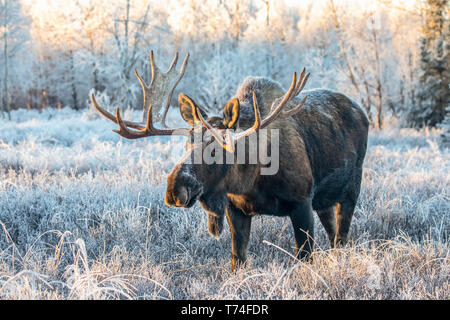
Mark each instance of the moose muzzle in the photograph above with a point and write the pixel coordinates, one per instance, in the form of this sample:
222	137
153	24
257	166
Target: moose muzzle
183	189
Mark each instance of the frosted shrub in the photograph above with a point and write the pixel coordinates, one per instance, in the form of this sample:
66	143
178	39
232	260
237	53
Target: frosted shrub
82	216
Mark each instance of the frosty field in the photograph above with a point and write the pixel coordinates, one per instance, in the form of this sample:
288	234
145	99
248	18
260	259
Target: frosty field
82	216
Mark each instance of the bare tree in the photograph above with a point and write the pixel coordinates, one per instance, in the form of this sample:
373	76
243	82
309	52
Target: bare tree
345	63
269	40
92	23
129	36
12	38
360	57
378	74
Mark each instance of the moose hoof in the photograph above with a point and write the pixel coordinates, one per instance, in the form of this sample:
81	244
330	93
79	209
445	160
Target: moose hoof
340	241
237	264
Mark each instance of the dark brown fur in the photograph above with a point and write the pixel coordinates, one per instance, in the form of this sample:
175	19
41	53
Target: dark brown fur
322	150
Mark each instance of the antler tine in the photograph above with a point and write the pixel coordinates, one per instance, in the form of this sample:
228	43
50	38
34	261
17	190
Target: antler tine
111	117
301	82
256	125
217	135
153	66
123	130
183	66
141	81
145	89
257	113
287	114
174	62
275	111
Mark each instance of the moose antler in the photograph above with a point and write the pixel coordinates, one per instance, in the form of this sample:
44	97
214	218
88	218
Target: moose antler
143	131
161	87
158	93
296	87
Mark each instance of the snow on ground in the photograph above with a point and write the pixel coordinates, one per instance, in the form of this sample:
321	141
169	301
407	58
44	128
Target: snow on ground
82	216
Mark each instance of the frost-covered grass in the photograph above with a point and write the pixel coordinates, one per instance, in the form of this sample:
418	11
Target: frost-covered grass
82	216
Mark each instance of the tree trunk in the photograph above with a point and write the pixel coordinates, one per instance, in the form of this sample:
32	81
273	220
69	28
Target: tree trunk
379	92
346	61
5	62
72	82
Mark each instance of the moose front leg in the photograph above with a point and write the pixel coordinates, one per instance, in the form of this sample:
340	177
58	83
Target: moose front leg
215	225
215	204
240	225
303	224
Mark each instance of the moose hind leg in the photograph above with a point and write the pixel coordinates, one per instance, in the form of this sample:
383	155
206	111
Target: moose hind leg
303	224
328	219
240	225
345	210
344	214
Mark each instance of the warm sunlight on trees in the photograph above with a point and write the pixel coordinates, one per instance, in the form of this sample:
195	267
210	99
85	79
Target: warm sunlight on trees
433	94
13	38
367	49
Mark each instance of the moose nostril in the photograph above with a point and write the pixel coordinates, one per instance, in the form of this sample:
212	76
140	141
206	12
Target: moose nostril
183	195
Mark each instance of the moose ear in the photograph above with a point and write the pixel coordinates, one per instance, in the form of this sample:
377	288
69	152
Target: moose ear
187	109
231	113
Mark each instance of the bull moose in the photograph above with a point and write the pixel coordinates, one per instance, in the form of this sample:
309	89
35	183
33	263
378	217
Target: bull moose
322	145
